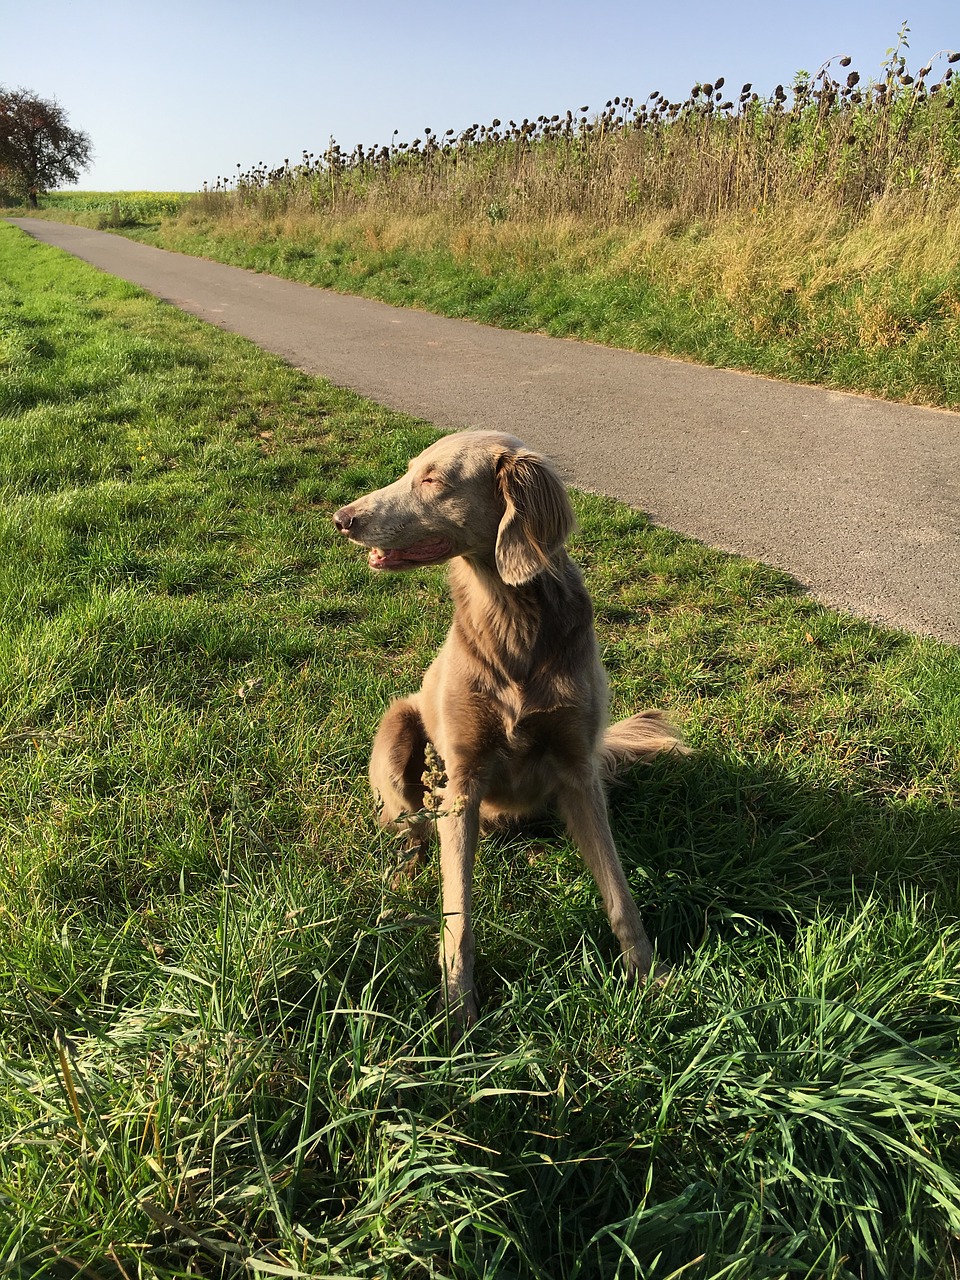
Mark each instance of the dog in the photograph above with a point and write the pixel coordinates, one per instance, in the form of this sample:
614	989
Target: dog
515	703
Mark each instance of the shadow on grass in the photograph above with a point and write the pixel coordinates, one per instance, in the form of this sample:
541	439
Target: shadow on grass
716	849
710	846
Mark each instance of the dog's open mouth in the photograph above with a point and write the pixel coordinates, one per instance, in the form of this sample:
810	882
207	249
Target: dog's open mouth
429	551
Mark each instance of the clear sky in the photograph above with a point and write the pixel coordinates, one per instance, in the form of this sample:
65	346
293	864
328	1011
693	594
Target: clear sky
176	93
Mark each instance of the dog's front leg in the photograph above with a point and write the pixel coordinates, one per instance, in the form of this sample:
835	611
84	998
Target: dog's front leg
459	830
583	805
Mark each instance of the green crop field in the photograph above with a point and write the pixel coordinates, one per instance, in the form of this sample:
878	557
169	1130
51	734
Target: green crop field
220	1052
116	209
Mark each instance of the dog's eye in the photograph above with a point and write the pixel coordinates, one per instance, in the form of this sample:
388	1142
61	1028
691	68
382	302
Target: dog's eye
429	479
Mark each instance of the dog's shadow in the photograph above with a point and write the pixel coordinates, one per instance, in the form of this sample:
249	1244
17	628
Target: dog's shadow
713	848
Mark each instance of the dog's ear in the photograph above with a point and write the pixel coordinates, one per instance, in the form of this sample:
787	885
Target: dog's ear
537	517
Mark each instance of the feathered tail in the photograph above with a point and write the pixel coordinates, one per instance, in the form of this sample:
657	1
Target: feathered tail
636	740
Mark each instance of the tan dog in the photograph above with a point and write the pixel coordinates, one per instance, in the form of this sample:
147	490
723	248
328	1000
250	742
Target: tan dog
515	703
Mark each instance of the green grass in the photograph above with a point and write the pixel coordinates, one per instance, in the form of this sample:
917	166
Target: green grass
868	304
219	1051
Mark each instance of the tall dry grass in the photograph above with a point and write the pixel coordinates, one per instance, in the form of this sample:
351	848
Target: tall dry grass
829	137
797	248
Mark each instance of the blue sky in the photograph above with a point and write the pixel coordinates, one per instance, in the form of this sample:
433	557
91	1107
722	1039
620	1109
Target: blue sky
176	93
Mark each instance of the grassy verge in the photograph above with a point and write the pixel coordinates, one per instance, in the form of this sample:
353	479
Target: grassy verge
218	1054
869	304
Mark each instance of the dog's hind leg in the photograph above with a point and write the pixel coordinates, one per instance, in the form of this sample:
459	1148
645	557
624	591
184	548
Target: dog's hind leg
396	774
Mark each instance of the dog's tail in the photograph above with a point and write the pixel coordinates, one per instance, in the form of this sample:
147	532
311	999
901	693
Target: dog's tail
636	740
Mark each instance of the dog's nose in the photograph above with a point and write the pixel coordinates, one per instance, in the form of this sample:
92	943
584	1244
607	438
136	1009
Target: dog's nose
343	519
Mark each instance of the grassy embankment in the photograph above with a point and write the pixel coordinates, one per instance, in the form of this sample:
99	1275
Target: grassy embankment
813	234
218	1054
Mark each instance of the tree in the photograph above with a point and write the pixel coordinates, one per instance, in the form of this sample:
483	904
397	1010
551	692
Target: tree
38	149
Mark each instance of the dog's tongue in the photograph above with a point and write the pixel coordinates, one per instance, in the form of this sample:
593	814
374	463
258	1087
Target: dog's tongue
426	552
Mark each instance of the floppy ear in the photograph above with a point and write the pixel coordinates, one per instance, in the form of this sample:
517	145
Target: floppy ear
537	518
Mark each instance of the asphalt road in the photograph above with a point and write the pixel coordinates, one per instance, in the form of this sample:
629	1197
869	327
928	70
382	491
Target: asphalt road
858	499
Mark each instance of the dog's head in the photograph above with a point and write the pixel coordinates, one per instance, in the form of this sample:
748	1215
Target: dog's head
478	494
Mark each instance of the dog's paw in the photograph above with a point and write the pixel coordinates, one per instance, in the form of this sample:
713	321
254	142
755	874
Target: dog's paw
460	1008
408	870
658	977
646	972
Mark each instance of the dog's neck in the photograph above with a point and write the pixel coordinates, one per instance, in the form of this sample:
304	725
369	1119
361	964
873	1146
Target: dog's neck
520	619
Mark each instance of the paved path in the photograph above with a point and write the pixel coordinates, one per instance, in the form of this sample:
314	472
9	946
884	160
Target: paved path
857	498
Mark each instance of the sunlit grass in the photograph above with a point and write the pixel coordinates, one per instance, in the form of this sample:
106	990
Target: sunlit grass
114	209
